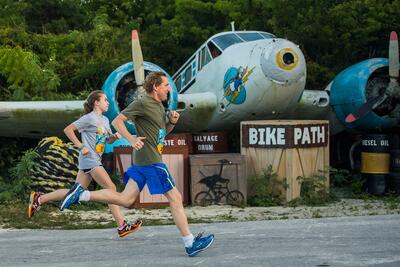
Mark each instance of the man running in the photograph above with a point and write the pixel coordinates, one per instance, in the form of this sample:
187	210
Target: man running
152	125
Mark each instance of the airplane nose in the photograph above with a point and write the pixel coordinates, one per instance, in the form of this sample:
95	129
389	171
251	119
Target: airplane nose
283	62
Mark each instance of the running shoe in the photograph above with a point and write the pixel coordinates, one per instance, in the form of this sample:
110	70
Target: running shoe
199	244
128	228
72	197
34	205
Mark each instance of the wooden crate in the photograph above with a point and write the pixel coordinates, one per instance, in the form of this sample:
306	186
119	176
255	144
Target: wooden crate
207	167
292	147
176	159
122	159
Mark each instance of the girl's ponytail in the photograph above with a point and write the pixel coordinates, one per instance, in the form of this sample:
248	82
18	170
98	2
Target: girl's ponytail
91	99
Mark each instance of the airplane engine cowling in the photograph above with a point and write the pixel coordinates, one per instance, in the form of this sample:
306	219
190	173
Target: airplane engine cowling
120	88
354	86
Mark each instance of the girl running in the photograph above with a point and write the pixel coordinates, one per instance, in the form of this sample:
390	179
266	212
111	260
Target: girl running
95	132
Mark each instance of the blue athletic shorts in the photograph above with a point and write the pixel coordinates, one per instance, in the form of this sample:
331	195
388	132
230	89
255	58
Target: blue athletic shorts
156	176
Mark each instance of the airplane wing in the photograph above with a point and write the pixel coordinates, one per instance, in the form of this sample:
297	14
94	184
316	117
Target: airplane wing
35	119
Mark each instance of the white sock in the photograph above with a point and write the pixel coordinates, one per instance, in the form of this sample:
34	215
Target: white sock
188	240
39	201
85	196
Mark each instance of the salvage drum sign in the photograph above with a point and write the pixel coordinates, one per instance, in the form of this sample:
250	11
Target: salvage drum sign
285	136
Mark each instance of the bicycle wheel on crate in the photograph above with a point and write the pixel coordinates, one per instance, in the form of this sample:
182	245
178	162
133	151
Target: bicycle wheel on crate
235	197
203	199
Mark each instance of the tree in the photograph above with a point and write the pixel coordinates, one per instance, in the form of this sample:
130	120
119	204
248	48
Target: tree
26	79
55	16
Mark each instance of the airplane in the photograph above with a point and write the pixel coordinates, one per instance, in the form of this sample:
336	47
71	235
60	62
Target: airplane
232	77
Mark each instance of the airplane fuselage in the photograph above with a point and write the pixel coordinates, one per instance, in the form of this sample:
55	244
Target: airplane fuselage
249	81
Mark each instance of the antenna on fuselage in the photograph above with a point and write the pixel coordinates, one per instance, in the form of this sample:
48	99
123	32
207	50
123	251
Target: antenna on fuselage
233	25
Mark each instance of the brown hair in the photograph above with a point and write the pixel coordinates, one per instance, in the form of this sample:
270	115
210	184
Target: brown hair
153	79
89	103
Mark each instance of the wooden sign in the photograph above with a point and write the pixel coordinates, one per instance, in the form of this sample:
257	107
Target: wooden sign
213	142
179	140
292	147
285	136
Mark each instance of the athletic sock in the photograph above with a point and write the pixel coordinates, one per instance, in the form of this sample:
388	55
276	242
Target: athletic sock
85	196
39	200
188	240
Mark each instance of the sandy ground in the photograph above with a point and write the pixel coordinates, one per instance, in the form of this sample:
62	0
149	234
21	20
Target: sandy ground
223	213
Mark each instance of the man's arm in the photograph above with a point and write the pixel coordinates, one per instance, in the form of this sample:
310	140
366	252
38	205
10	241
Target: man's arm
119	125
173	117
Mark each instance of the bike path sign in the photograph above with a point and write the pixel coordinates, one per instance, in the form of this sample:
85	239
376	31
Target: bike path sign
263	135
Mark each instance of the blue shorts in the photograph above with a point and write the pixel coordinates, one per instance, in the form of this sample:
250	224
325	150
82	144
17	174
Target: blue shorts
156	176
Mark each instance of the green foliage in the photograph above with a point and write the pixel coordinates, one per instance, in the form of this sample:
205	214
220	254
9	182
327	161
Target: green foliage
25	77
392	201
8	151
342	178
339	177
49	16
314	191
357	187
266	189
17	186
11	12
79	43
321	75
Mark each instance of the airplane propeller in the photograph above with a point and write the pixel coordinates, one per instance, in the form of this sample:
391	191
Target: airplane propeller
137	57
392	90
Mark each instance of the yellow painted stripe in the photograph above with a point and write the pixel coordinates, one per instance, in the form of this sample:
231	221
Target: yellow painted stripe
167	175
375	163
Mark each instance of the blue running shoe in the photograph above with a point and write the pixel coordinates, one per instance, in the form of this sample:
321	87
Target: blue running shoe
72	197
199	244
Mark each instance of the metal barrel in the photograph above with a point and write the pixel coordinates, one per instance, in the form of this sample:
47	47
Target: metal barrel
375	162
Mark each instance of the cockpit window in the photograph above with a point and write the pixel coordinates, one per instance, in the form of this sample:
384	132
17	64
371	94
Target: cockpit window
224	41
204	57
215	52
267	35
250	36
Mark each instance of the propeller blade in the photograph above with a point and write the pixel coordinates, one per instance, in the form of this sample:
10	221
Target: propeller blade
393	56
137	57
392	90
366	108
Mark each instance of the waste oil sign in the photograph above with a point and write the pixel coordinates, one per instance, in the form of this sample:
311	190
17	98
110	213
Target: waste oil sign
285	136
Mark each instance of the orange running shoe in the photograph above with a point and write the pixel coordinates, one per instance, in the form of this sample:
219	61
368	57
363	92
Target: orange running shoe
128	228
34	205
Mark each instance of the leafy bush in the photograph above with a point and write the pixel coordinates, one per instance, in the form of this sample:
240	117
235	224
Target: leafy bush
339	177
343	179
358	187
18	185
314	191
8	152
266	188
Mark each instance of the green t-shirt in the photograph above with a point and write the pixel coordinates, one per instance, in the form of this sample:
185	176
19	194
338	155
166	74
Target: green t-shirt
150	122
